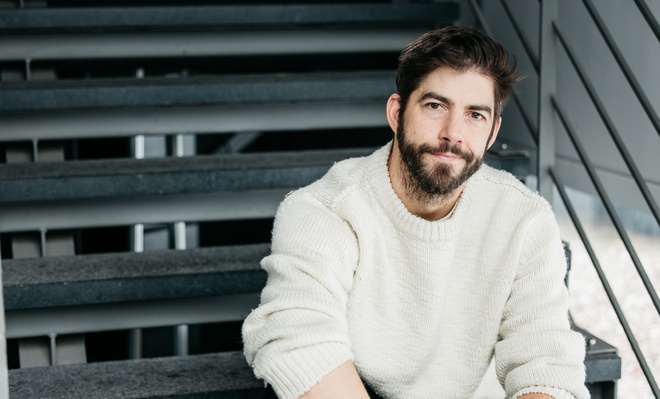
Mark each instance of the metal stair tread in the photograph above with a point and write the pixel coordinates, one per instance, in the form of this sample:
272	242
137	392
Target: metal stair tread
198	163
165	176
217	375
210	44
121	277
261	88
227	16
48	181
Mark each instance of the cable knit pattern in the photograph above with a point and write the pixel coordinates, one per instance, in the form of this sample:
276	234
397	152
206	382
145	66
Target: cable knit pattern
420	307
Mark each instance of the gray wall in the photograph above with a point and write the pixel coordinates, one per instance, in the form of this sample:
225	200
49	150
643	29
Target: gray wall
642	52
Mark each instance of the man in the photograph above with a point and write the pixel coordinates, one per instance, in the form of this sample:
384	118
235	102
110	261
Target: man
408	270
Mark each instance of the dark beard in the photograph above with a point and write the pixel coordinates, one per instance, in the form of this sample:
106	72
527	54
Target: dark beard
429	184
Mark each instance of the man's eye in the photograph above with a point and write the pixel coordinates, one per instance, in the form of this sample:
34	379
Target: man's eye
476	116
434	105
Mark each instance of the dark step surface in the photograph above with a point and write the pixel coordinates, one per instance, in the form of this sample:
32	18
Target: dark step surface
219	375
201	174
276	88
124	277
225	17
79	55
602	362
60	196
166	176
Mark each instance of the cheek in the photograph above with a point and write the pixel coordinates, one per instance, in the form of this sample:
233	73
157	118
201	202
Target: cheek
417	122
480	148
423	128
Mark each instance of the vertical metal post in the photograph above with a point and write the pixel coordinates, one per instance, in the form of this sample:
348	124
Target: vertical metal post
28	69
135	335
35	150
52	337
547	87
4	373
43	244
179	232
178	148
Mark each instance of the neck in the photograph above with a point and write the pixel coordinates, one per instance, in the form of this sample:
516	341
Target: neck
423	205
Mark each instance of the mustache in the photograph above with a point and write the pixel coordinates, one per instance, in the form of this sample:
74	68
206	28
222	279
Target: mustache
444	147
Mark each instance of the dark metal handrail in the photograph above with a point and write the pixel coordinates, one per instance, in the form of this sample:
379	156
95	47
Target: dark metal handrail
594	177
608	205
616	137
618	56
606	285
533	131
641	183
648	16
624	238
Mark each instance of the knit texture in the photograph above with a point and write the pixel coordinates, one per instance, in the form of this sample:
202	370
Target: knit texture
419	307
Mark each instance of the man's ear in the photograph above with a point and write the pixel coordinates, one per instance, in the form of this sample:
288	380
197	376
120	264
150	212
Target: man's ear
496	129
392	112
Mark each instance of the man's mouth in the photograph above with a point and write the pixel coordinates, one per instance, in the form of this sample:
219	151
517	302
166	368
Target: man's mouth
447	156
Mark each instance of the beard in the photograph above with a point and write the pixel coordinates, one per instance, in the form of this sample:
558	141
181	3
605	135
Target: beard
429	183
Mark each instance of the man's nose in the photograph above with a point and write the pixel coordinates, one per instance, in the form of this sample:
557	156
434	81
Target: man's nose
450	128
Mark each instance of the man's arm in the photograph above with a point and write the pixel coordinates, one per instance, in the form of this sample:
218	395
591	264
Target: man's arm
343	382
537	351
299	332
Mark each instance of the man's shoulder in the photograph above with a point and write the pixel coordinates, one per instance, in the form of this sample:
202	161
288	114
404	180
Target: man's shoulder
344	177
501	184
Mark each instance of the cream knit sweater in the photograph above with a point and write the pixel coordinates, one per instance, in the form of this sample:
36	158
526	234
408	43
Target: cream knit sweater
420	307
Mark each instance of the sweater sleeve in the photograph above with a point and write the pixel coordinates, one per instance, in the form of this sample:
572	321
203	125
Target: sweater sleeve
537	351
299	332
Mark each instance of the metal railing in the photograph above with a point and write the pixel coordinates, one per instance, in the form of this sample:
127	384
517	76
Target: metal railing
4	380
549	105
592	173
639	93
627	158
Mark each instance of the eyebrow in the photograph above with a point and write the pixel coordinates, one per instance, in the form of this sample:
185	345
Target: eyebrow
438	97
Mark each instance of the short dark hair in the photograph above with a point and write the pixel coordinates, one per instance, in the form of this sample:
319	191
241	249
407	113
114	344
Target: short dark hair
462	49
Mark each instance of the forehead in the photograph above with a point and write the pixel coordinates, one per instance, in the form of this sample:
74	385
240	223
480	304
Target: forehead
462	87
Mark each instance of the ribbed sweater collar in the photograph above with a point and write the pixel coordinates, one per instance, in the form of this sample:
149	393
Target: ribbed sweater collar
414	226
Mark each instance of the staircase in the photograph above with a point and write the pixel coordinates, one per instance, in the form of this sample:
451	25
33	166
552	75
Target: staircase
144	148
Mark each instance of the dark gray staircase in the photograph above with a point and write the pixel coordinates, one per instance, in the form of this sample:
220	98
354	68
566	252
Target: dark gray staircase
231	105
197	91
144	148
37	283
219	376
49	181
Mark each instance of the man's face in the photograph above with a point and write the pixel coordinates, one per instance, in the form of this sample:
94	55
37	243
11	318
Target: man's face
446	128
